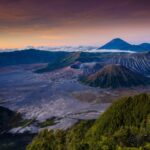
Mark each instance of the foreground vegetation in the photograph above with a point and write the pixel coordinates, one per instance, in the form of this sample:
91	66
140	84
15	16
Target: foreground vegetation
124	126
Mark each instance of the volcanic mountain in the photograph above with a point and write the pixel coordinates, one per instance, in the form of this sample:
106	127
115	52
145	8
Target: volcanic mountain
115	76
116	44
138	62
123	45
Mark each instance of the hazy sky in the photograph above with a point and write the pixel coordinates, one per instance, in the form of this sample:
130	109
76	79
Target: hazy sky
72	22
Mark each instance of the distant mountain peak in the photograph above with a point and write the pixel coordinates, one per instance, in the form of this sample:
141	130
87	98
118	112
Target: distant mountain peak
119	40
121	44
116	43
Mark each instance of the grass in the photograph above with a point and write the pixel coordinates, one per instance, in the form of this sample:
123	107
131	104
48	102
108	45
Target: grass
48	122
26	122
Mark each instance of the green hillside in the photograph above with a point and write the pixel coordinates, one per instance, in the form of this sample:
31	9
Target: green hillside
124	126
64	62
126	118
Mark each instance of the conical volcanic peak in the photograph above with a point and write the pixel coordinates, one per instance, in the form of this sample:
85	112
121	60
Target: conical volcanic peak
115	76
120	44
116	44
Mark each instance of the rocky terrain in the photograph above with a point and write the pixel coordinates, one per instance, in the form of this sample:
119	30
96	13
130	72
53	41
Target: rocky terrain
42	96
45	93
139	62
115	76
56	94
48	94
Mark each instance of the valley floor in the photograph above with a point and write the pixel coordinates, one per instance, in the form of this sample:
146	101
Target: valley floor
56	94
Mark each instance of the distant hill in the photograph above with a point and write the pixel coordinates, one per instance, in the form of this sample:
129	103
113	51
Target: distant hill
123	45
30	56
62	62
138	62
115	76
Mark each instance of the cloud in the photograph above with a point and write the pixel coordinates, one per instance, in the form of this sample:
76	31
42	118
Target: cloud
90	49
52	13
21	19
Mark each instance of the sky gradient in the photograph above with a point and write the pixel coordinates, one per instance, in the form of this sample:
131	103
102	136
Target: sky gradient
72	22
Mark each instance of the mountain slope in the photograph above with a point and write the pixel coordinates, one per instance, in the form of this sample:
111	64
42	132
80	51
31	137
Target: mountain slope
138	62
115	76
123	45
63	62
116	44
127	122
128	111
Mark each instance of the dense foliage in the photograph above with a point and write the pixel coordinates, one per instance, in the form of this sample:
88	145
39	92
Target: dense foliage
129	111
61	140
47	122
124	126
